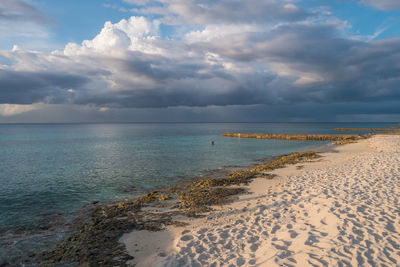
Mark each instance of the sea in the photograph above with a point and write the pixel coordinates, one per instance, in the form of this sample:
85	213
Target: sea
49	172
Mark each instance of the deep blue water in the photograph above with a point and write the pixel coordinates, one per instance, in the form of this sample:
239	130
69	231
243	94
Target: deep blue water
50	169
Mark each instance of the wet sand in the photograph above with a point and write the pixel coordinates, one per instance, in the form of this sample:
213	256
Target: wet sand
340	210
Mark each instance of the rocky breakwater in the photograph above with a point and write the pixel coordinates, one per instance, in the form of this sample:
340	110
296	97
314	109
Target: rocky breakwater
336	139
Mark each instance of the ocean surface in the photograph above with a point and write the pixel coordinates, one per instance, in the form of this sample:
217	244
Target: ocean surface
52	170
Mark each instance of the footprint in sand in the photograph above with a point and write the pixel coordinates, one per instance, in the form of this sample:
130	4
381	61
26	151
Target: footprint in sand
275	229
311	240
293	234
240	261
186	238
254	247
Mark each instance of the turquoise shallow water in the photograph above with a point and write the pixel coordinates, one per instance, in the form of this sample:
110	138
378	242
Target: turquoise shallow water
48	169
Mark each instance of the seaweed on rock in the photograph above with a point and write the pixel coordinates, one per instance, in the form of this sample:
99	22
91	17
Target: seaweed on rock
96	242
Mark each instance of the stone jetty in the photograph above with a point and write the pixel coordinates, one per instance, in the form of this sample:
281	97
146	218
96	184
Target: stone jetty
318	137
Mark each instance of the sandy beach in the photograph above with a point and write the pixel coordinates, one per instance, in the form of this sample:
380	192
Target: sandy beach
339	210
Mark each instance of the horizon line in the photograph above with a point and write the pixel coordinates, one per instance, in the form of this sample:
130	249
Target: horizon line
201	122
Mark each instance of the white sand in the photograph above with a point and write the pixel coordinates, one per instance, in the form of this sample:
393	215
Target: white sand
340	211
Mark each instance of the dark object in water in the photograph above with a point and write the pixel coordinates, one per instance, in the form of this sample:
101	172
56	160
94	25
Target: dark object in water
212	143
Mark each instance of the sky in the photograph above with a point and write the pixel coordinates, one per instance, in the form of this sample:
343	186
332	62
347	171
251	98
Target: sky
199	61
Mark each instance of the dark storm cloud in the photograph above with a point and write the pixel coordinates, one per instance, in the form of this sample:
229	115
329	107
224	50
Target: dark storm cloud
157	68
343	69
20	11
302	43
177	94
17	87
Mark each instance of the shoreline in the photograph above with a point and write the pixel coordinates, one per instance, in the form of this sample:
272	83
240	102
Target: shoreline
205	175
154	212
143	213
289	220
70	225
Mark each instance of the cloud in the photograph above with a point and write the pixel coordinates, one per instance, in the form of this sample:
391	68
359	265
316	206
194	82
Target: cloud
21	87
134	34
222	11
383	4
137	2
21	11
228	61
127	65
23	24
12	110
